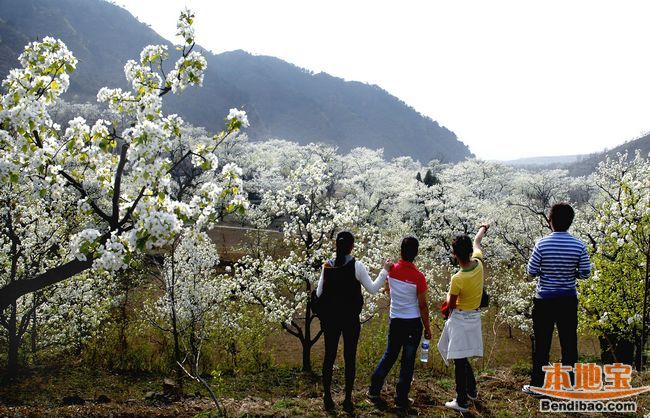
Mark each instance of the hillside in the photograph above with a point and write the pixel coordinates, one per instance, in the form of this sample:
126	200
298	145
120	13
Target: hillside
587	164
282	100
548	160
582	165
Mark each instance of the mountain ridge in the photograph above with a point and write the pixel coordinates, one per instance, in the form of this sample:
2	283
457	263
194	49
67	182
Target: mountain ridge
583	164
588	163
282	99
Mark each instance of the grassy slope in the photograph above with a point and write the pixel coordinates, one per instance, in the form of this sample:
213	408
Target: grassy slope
275	392
283	390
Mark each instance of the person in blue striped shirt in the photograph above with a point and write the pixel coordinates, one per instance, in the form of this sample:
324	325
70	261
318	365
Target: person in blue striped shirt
558	259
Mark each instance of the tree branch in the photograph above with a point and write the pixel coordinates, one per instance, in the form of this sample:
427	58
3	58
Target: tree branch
18	288
117	185
292	332
128	213
74	183
313	341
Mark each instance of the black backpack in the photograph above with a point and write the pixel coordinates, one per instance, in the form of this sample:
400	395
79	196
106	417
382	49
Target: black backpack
341	292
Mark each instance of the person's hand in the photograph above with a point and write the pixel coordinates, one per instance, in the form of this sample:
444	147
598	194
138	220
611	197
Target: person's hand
486	226
388	265
427	334
386	288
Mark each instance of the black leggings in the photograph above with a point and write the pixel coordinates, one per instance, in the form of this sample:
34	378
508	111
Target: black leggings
350	328
465	382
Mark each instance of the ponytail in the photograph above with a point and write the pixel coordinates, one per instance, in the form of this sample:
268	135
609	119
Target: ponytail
344	244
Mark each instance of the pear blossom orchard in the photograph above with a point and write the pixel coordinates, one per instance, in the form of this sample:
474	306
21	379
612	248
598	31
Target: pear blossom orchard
110	211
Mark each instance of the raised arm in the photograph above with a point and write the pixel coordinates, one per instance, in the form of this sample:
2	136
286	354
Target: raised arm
479	236
372	286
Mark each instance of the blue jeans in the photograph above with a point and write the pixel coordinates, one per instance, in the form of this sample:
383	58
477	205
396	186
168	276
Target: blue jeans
403	335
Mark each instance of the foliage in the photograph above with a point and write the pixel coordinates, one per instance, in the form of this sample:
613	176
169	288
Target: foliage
93	197
312	212
612	302
88	191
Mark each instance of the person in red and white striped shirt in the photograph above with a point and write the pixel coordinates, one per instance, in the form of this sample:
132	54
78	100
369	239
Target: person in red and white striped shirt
409	314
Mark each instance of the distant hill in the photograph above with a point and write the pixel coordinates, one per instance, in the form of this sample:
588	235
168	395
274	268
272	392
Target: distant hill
588	164
582	165
282	100
533	161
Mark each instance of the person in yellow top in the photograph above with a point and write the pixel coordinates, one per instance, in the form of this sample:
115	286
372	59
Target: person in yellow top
462	336
469	280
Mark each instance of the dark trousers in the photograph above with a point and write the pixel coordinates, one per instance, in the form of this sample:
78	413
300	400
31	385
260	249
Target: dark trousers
465	382
403	335
333	327
547	313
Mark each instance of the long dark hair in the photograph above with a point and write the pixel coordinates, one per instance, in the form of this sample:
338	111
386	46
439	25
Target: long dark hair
344	244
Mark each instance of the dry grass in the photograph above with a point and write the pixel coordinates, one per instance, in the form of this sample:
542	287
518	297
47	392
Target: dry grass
283	391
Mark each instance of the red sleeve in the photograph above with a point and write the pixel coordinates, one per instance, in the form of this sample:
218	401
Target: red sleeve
421	285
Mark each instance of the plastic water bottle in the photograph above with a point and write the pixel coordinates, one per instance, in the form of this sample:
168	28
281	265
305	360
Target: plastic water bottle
424	351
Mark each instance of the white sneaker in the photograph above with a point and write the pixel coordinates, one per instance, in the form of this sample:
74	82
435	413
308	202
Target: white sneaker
526	389
473	398
454	405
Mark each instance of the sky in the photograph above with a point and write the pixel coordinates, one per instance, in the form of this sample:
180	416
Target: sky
512	79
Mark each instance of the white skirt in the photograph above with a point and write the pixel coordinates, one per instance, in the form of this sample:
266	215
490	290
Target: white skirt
462	336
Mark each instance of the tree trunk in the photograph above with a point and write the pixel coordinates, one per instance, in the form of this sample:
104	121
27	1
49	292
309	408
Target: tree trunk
33	332
177	347
638	352
306	342
14	344
614	349
123	324
306	356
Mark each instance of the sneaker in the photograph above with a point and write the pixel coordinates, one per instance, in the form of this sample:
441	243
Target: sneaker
473	397
455	406
526	389
348	406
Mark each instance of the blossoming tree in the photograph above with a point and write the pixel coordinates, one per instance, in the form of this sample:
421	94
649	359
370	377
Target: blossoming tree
312	213
193	301
92	196
614	302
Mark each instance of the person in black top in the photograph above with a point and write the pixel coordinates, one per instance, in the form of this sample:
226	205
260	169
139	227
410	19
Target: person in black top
339	291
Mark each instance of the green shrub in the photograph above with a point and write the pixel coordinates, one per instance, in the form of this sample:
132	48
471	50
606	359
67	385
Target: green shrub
372	344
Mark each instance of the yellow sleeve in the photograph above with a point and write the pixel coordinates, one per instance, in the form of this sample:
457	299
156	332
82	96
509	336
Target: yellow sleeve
477	254
454	287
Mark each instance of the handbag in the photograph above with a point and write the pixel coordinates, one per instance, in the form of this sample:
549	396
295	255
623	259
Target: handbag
316	303
485	299
444	310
